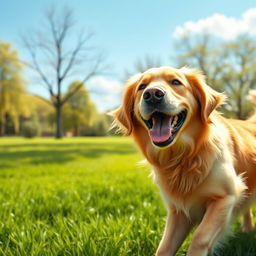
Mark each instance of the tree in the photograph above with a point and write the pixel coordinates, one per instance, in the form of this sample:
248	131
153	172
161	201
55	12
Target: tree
79	111
41	113
12	90
55	58
202	52
99	126
143	64
228	66
240	74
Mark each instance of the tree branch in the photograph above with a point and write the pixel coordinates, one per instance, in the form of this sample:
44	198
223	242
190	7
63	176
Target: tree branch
36	67
77	88
74	53
41	98
96	70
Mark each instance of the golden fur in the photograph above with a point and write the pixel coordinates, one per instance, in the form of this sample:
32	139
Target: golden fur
208	174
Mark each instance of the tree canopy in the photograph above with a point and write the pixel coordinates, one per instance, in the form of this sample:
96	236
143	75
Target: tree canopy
79	111
229	67
12	89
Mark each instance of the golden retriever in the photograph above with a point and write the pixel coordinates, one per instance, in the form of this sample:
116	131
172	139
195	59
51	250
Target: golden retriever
204	163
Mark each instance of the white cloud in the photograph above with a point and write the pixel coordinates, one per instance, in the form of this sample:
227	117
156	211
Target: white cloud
220	26
105	93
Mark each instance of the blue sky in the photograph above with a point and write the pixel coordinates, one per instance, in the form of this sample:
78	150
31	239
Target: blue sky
126	30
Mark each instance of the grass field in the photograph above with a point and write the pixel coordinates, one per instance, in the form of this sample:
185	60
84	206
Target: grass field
83	196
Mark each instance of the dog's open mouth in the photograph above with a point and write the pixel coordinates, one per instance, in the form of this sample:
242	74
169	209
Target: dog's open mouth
163	127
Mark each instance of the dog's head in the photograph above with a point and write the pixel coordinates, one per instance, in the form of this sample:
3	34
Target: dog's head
166	103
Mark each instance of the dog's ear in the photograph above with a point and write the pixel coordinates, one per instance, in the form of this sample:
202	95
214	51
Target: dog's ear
208	98
123	116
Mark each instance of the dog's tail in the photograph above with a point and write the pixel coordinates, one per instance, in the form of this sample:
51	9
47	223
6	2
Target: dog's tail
252	97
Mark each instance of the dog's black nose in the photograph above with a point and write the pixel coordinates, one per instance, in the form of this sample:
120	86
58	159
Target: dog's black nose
153	95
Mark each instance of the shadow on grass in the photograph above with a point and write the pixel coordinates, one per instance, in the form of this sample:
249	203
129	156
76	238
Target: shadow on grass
240	244
58	153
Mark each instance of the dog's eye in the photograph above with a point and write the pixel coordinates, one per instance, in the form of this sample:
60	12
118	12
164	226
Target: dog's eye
142	87
175	82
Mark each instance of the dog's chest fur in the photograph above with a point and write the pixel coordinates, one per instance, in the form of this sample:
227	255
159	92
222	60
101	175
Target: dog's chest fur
194	200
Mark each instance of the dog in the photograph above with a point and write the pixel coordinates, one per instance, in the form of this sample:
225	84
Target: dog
203	163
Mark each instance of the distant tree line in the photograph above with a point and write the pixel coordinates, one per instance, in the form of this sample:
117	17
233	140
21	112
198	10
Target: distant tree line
22	113
229	67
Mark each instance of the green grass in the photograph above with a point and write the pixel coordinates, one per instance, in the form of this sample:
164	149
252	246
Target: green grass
83	196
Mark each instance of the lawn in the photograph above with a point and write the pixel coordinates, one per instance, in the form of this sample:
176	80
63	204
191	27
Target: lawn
83	196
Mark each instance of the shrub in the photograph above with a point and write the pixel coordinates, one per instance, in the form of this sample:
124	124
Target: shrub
30	129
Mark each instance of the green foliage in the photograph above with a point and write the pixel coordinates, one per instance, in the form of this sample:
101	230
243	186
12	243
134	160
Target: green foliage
80	116
42	112
83	196
12	89
100	126
30	128
78	111
229	66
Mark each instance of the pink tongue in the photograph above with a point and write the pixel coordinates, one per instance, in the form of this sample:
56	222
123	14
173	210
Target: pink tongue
161	130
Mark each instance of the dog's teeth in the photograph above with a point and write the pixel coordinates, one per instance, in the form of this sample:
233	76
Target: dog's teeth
153	120
175	120
171	119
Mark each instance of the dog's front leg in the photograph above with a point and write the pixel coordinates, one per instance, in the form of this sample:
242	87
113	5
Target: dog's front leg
248	225
213	225
177	228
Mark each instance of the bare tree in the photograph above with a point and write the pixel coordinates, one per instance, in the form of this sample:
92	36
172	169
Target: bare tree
56	58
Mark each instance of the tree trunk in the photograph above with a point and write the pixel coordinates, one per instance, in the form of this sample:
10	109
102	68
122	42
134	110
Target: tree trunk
239	106
75	130
58	134
1	129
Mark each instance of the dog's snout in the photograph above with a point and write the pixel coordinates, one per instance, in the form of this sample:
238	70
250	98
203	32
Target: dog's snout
153	95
